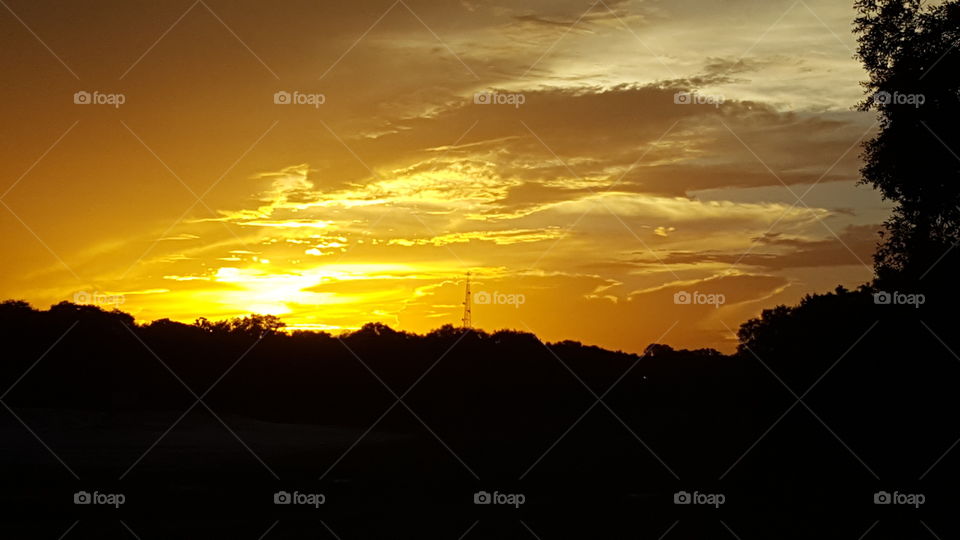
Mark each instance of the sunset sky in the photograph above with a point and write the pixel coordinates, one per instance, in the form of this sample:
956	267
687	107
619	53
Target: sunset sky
597	198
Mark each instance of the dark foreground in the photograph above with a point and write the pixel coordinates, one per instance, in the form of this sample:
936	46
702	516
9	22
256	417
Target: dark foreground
198	430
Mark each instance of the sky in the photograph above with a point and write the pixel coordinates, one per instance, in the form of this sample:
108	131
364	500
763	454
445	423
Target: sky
614	172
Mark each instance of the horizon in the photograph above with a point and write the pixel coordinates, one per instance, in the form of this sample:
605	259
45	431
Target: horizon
343	332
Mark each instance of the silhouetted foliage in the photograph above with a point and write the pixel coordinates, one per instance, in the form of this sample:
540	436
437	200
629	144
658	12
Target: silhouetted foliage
473	387
499	400
909	49
251	325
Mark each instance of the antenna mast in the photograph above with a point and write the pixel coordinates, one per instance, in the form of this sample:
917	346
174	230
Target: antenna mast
467	305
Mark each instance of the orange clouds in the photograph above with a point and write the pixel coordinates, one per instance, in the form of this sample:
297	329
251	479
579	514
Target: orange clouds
598	195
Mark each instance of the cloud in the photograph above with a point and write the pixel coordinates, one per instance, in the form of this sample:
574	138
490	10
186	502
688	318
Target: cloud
183	236
502	238
775	251
598	197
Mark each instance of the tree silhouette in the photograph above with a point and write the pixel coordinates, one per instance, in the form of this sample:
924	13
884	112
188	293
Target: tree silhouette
910	53
252	325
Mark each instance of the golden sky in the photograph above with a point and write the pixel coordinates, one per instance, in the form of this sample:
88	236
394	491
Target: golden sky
588	190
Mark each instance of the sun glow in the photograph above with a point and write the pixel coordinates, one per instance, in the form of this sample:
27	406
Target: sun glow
592	198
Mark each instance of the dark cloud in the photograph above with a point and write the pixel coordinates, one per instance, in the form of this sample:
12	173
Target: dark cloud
776	251
597	134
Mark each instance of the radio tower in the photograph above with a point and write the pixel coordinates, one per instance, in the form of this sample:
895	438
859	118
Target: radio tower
467	302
